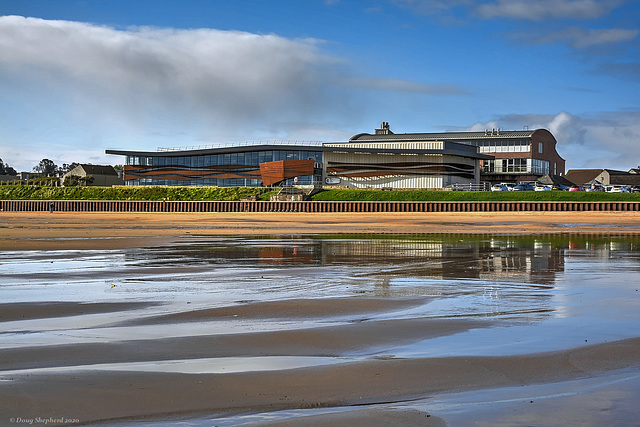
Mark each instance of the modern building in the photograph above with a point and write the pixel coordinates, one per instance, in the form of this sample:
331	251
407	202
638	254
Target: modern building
515	156
379	160
235	166
387	160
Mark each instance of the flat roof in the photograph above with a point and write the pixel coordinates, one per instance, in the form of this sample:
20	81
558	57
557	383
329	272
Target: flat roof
445	136
450	148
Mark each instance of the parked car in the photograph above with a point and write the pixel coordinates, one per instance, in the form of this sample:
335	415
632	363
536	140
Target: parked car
540	187
559	187
595	187
576	188
635	189
523	187
616	189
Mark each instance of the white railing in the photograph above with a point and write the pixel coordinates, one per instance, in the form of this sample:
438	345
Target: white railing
483	186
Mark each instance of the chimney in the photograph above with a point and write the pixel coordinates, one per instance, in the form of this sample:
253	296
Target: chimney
384	129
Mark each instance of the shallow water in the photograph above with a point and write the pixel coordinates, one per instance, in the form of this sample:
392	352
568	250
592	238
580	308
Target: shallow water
536	293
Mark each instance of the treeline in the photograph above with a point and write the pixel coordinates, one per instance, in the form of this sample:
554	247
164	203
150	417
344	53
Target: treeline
132	193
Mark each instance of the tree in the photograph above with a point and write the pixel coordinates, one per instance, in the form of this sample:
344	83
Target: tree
6	169
67	168
75	180
46	167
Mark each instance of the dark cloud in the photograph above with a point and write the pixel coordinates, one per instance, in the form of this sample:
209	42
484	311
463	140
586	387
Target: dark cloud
517	9
546	9
580	38
629	70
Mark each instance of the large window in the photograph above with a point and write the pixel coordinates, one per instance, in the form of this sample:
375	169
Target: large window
504	146
516	166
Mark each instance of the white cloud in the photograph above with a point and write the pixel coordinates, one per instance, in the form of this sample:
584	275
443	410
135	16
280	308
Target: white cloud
218	77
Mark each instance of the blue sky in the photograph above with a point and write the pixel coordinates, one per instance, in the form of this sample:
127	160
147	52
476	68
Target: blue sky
81	76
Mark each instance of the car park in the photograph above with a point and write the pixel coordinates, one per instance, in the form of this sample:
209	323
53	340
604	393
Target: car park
523	186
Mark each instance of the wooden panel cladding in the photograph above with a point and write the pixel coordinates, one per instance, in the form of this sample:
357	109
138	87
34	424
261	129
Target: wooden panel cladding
274	172
182	173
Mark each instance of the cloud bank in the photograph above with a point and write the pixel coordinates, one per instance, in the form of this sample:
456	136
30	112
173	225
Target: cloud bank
224	76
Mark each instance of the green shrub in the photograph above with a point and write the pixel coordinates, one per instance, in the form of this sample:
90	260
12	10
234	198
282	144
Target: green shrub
24	192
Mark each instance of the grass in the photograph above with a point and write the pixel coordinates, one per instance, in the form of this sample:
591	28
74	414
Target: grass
8	192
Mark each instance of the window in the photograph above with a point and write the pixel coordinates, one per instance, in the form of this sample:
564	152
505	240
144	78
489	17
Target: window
540	146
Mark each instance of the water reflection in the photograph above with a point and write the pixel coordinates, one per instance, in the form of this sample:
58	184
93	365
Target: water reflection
584	281
536	258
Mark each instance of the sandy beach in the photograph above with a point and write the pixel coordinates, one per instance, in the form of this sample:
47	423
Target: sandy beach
72	384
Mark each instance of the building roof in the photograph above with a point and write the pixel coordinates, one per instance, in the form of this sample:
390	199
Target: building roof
450	148
616	177
445	136
582	176
555	180
632	179
95	170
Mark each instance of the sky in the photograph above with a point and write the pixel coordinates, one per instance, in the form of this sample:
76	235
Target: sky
78	77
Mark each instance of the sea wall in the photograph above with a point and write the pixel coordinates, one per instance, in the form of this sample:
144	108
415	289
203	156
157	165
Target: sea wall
306	206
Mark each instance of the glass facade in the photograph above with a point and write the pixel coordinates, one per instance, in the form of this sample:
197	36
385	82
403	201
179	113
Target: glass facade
516	166
201	169
501	145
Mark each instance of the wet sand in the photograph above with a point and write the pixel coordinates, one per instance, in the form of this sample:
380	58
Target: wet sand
88	395
65	230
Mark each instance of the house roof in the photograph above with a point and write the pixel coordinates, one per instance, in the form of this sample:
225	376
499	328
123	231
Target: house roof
582	176
632	179
555	180
98	170
616	177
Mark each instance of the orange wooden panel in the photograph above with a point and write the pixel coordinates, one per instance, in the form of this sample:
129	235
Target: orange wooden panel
274	172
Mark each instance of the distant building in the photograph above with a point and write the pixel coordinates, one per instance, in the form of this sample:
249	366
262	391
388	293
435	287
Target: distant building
604	177
103	176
